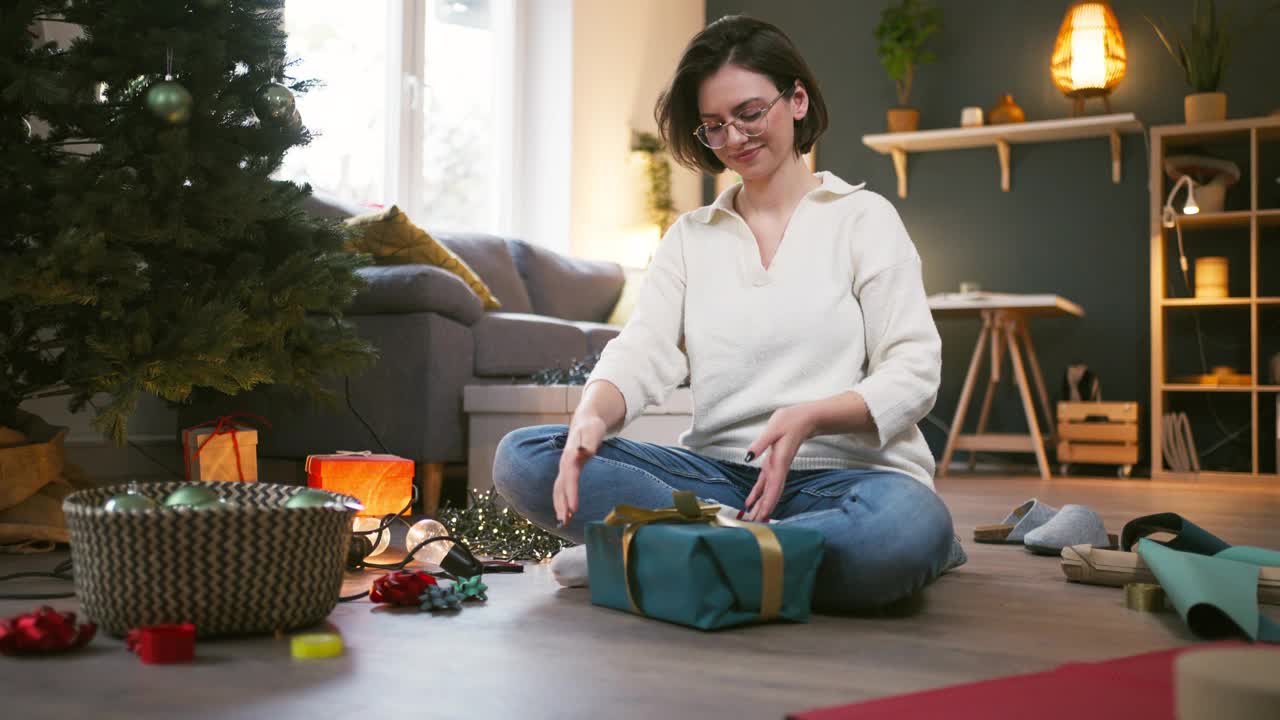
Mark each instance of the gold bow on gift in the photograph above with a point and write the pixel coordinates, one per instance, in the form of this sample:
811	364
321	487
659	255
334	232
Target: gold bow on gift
688	510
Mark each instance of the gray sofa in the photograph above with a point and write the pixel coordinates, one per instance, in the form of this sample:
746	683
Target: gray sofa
434	337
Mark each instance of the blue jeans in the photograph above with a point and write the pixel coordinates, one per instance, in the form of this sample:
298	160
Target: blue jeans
887	535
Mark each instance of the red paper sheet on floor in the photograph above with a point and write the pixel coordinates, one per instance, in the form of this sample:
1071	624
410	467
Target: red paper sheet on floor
1139	686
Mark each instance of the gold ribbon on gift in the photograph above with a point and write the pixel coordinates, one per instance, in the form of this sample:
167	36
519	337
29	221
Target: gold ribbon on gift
688	510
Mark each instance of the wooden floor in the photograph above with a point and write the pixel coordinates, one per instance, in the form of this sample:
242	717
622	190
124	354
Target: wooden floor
538	651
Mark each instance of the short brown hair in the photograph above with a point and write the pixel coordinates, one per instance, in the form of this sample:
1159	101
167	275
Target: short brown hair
746	42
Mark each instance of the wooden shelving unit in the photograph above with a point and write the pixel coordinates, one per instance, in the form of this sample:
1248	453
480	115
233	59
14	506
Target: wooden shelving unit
1204	302
1253	132
1231	218
1001	137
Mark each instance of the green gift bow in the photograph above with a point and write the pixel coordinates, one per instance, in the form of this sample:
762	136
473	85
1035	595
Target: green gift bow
688	510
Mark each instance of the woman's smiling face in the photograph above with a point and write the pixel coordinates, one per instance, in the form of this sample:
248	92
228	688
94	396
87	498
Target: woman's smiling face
736	92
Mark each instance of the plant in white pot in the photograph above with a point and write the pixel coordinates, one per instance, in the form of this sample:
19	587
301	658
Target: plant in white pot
1203	56
1210	177
901	35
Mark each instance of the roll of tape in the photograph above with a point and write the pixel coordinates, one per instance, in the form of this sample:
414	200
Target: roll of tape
312	646
1237	683
1145	597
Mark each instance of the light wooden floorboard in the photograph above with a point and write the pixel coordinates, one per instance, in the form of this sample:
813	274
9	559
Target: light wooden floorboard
537	651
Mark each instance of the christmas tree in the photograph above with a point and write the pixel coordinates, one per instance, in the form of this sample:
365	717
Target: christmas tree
146	247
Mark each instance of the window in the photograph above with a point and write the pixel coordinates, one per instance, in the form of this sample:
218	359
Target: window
416	106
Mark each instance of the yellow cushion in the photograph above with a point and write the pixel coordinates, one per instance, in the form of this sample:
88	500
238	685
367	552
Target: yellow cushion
392	239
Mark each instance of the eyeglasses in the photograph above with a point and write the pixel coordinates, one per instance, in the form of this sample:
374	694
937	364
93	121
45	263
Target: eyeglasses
751	122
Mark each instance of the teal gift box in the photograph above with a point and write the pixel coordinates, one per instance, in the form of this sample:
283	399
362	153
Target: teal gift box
688	566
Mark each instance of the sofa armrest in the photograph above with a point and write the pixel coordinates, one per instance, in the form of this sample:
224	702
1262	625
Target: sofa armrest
401	289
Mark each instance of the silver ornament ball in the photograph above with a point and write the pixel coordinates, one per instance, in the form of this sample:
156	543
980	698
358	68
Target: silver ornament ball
273	102
170	101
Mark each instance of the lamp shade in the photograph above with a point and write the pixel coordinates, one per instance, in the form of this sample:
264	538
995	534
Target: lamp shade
1089	57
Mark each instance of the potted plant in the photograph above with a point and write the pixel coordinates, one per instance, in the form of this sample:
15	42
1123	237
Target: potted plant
1203	59
901	35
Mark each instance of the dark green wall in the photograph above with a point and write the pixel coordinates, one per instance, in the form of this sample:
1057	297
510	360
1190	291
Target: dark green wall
1064	227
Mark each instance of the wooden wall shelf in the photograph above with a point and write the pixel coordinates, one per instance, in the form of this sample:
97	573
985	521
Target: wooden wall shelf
1001	137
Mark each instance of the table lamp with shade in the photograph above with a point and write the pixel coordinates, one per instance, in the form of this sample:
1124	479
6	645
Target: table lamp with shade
1089	57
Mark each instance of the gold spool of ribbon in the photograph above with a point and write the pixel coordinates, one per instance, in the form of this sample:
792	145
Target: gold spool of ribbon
1144	597
688	510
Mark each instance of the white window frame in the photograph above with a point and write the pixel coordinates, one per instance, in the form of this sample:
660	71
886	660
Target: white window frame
406	144
405	129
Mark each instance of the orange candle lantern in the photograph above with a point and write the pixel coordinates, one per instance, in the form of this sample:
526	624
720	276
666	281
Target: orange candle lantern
383	483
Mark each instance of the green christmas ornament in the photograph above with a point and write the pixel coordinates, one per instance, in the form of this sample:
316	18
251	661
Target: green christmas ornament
170	102
273	103
310	497
294	123
195	496
130	501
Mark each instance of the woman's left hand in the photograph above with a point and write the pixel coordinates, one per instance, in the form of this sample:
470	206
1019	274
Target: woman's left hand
786	430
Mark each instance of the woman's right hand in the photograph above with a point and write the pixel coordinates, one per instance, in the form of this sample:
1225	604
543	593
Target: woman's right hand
585	435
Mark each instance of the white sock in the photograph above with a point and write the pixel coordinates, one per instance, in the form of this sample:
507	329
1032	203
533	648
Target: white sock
569	566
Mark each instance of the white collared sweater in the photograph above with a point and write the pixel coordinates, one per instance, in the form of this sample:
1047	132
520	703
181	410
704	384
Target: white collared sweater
841	307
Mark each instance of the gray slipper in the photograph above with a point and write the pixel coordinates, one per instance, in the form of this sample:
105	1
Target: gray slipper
956	557
1073	525
1026	517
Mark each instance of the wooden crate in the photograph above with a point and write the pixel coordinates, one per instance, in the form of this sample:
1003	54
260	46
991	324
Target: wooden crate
1103	433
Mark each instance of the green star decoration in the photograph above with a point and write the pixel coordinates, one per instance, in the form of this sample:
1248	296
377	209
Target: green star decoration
472	588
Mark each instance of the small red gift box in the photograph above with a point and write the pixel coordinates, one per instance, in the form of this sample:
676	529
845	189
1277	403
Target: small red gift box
163	644
384	483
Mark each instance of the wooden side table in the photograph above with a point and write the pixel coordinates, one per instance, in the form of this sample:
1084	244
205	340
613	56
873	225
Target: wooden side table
1004	329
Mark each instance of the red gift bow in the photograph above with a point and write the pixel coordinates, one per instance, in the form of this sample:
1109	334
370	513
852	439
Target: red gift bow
44	631
225	425
403	587
157	644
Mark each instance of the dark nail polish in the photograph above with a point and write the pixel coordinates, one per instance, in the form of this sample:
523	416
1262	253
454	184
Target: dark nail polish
750	456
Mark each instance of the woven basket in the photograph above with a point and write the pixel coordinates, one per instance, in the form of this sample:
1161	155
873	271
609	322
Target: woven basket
255	567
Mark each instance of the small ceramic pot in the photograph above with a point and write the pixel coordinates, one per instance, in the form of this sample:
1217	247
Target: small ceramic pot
1205	107
903	119
1212	197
